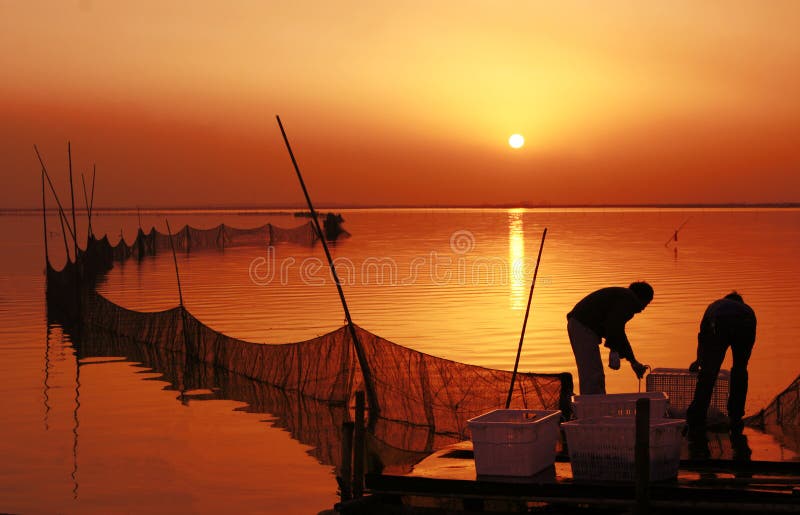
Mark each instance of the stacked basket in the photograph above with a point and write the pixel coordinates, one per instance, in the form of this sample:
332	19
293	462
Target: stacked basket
602	439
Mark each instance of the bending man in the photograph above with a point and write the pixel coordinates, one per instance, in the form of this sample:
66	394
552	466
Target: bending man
603	314
727	322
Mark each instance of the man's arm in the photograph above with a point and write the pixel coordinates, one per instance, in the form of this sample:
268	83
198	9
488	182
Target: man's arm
616	339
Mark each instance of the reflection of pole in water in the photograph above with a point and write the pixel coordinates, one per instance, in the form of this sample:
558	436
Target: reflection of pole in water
76	426
46	387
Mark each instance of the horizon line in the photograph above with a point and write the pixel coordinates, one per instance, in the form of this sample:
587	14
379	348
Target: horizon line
293	208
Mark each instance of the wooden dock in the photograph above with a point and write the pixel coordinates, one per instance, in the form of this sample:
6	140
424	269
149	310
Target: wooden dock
446	482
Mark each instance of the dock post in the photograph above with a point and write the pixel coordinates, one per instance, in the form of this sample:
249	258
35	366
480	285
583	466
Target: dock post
642	456
346	470
358	447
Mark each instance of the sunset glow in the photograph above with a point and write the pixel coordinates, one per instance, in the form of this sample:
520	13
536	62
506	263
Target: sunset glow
516	141
631	103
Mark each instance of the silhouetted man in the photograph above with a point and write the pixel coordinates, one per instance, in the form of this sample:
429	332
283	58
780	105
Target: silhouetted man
727	322
603	314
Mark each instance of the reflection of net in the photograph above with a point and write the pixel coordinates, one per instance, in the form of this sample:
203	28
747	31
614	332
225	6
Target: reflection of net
781	417
314	423
424	401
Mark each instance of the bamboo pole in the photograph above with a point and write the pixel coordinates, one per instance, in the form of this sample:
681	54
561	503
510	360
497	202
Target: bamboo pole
372	398
674	236
72	195
53	191
180	295
88	213
91	198
44	224
74	234
175	261
64	234
525	321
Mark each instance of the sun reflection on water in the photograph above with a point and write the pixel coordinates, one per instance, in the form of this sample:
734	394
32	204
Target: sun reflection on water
516	259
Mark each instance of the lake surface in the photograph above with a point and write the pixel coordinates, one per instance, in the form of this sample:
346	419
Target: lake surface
112	435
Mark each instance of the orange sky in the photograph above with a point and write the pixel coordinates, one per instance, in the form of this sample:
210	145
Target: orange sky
403	102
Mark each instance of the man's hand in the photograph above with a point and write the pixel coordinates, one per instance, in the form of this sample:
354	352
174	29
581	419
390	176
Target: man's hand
639	369
694	367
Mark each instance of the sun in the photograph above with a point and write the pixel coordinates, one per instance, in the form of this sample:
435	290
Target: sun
516	141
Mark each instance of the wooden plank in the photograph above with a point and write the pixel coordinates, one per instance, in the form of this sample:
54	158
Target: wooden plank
787	468
668	494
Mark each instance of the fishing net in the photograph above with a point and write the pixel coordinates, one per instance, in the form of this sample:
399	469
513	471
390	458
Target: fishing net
411	387
418	402
190	238
304	234
781	417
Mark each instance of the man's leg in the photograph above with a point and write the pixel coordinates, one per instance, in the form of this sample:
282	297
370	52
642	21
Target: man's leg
741	347
586	348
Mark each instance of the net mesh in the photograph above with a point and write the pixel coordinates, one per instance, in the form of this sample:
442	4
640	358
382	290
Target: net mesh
781	417
411	387
222	236
421	402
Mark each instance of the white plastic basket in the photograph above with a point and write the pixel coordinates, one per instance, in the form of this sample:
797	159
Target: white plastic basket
679	384
619	404
603	448
514	442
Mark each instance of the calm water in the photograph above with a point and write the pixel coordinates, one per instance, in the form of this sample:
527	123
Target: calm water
111	436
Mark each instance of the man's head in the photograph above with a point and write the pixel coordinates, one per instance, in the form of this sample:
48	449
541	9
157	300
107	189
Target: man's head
734	295
643	291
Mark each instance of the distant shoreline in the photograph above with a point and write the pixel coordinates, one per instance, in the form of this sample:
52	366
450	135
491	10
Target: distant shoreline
290	210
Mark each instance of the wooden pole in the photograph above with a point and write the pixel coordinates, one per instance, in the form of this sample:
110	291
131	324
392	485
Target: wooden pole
91	198
64	234
346	470
642	456
175	260
180	296
44	224
358	446
372	398
525	321
53	191
74	234
674	236
72	195
88	213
